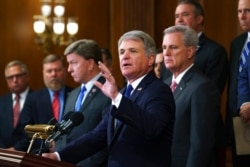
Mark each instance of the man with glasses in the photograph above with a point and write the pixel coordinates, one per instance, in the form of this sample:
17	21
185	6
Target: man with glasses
11	104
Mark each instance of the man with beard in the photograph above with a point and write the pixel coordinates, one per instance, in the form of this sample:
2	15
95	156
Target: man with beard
39	107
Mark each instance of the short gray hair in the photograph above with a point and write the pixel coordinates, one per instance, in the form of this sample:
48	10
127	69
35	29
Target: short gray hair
190	37
17	63
149	43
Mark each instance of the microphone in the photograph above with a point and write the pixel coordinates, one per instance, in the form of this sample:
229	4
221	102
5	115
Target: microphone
53	121
44	130
64	127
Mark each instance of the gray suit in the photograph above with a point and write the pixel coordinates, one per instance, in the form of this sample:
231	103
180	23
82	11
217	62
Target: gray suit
94	107
198	123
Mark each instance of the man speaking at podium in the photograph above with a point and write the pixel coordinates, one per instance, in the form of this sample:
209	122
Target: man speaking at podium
138	129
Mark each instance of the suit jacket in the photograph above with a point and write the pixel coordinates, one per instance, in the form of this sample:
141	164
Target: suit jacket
37	110
211	59
197	120
235	53
144	136
243	94
94	108
8	134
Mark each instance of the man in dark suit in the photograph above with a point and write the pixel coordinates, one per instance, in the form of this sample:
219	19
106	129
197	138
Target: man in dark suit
210	57
38	107
83	57
197	101
236	49
138	129
17	77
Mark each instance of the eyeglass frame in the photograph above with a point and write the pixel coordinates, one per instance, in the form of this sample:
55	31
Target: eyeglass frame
17	76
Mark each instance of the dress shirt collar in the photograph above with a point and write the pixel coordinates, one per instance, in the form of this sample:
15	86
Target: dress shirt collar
179	77
90	83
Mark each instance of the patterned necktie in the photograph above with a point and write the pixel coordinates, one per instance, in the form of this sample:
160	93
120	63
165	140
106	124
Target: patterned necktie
244	55
173	86
56	105
16	109
79	99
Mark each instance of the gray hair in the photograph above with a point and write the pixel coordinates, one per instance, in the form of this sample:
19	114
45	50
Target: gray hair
149	43
17	63
86	48
190	37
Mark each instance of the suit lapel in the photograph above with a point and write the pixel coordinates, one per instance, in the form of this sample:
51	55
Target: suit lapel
182	85
91	95
143	84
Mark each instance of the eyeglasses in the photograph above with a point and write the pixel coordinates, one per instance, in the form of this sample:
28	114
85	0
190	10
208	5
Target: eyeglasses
17	76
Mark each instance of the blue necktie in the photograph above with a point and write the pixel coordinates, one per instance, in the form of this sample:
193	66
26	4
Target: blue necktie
127	94
79	99
244	55
128	90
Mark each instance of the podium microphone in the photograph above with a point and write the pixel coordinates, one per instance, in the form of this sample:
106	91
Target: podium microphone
65	126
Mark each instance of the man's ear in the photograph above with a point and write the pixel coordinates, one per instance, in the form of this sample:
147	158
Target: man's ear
191	51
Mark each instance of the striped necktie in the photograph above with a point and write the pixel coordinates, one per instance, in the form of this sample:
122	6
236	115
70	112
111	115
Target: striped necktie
244	55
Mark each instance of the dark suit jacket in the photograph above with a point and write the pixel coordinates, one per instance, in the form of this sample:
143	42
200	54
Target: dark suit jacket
144	136
211	59
8	134
197	120
94	108
235	53
37	110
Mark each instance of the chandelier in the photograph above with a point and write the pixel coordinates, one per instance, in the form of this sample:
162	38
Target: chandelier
50	28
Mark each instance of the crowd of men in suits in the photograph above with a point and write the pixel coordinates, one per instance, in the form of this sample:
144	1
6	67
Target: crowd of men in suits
170	120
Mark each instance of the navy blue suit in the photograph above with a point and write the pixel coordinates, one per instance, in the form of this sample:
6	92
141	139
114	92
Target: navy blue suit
144	136
9	134
37	110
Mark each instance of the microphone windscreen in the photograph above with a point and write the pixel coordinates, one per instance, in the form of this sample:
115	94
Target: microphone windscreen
67	115
53	121
76	118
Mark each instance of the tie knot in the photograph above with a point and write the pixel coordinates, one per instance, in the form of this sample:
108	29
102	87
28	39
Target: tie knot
173	85
128	90
83	89
17	97
56	93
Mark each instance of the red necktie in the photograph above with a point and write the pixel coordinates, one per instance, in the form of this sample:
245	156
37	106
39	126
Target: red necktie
56	105
173	86
16	109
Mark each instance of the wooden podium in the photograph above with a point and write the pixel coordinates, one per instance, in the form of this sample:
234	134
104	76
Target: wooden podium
22	159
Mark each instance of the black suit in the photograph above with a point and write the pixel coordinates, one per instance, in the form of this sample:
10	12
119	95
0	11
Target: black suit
9	135
37	110
197	121
211	59
235	53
